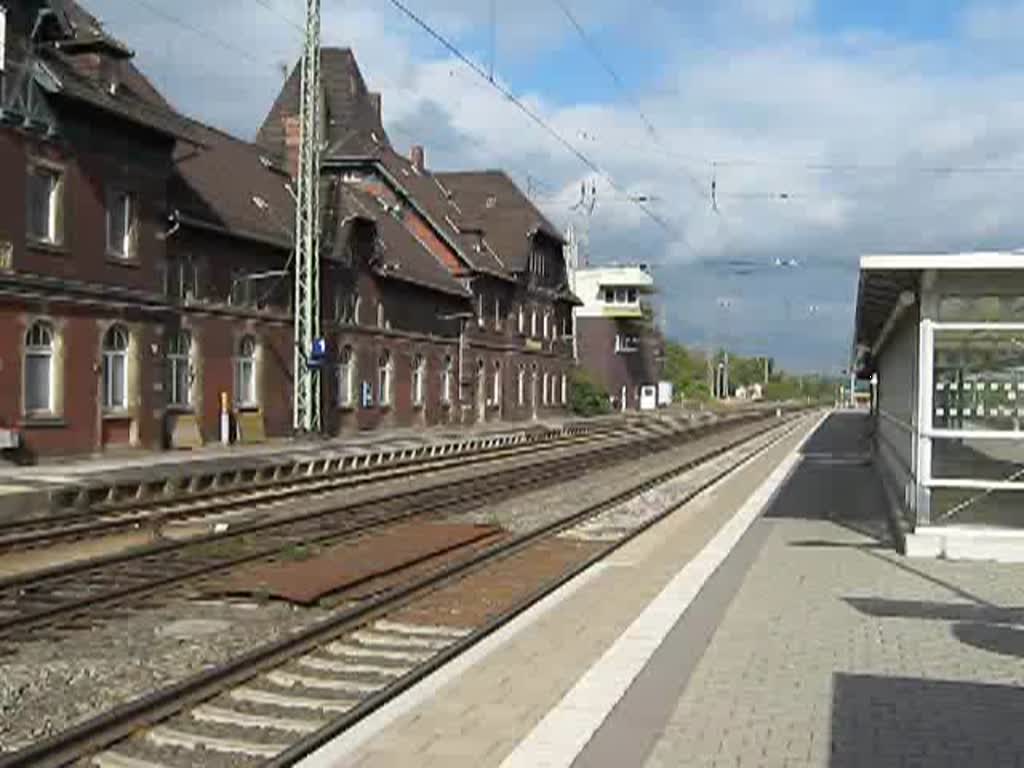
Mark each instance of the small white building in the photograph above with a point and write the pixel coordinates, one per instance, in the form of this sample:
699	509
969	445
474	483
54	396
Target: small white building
945	336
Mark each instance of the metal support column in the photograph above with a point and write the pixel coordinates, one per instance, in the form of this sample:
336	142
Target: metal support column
306	402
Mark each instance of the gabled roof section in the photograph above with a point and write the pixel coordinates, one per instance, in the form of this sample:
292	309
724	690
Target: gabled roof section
352	112
90	66
491	202
402	255
435	199
230	185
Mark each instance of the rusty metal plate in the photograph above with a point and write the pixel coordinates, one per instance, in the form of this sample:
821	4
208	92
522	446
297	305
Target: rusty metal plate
305	581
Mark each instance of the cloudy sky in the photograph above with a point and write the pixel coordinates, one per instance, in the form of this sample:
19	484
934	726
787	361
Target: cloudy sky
829	128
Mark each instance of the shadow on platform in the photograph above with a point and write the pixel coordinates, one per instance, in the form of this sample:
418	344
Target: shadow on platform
834	482
897	721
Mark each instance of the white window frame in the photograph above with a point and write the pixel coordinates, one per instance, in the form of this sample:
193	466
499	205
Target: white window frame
39	348
126	248
521	386
179	355
419	372
346	377
115	352
53	234
565	389
533	323
522	319
544	388
385	370
496	384
546	324
246	369
446	380
622	347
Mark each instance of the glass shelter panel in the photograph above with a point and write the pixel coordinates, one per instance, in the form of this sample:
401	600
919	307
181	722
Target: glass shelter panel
978	380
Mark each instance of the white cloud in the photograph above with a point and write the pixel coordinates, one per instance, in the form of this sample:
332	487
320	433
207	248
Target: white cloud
994	22
768	12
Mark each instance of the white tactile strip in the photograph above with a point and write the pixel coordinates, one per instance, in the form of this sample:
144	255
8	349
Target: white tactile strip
563	733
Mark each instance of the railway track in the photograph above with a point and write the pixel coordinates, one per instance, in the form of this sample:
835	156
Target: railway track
252	487
279	702
70	596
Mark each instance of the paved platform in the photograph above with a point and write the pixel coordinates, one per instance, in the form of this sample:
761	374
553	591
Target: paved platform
768	623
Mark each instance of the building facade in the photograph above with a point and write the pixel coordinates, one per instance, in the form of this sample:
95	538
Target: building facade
617	341
145	279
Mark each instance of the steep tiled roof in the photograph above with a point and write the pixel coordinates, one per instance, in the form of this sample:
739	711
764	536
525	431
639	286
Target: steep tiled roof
426	190
75	54
352	111
216	183
492	203
403	255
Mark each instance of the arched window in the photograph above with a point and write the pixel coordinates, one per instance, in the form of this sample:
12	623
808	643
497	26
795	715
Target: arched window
346	377
521	322
419	368
179	369
565	389
245	372
39	368
380	314
544	388
115	369
521	386
533	323
496	384
384	371
547	324
446	380
356	307
497	313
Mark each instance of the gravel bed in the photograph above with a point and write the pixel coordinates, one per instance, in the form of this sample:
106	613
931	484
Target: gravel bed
46	687
142	748
619	520
532	510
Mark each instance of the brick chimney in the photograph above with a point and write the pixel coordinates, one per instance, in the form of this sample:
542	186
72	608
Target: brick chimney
417	158
292	132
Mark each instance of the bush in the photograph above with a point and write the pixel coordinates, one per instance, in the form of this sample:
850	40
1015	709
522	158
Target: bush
586	397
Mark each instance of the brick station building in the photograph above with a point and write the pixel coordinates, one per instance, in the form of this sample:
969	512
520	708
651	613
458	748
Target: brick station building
145	263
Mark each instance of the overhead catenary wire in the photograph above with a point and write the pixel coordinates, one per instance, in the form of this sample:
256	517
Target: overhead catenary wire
284	17
530	113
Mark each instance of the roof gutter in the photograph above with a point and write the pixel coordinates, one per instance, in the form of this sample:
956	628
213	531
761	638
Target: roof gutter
220	229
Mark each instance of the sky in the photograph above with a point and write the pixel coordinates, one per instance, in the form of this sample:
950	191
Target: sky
827	128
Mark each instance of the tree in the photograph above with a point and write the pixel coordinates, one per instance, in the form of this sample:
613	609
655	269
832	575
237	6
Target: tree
586	396
687	370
